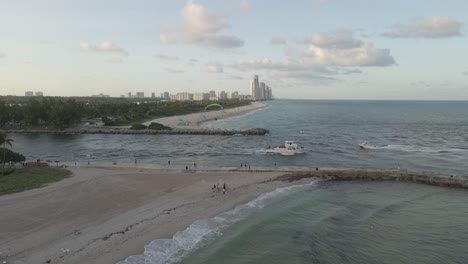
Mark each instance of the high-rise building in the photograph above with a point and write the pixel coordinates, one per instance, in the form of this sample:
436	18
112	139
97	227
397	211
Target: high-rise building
29	93
222	95
39	94
153	95
261	95
129	94
256	95
140	94
212	94
165	96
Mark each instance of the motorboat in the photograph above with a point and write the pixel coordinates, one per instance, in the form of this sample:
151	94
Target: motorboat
288	148
366	145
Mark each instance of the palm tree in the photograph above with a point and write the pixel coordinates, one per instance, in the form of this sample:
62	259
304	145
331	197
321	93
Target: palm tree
4	141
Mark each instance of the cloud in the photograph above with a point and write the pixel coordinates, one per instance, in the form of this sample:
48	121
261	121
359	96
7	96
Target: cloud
167	57
169	70
2	55
291	69
465	73
244	5
435	27
277	40
340	48
193	60
199	27
103	47
212	67
116	60
340	39
366	55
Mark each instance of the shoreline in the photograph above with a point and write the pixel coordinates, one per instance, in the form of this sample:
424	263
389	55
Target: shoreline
195	121
105	214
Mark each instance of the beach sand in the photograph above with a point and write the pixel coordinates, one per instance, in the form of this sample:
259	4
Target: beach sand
103	215
194	121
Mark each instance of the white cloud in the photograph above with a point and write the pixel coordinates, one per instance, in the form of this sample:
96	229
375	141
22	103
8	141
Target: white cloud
340	39
340	48
2	55
244	5
103	47
277	40
366	55
199	27
167	57
116	60
465	73
169	70
435	27
212	67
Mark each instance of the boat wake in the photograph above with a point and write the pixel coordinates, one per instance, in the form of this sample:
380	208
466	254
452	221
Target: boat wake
201	232
410	148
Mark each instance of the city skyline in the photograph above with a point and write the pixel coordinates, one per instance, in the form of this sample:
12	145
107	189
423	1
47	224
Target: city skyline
326	49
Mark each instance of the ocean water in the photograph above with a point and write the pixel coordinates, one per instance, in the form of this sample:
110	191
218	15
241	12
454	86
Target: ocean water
428	136
321	222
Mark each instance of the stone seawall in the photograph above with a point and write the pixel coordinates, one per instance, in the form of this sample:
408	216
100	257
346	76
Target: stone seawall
378	175
222	132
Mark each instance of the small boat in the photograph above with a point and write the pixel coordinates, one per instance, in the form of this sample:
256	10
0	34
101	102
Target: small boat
289	148
366	145
301	131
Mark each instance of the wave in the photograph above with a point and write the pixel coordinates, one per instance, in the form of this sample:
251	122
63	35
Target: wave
200	232
410	148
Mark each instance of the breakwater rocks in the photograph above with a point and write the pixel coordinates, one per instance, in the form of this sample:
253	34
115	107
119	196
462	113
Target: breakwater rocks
378	175
117	131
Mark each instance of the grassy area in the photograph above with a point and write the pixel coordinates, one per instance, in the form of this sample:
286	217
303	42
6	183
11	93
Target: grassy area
30	177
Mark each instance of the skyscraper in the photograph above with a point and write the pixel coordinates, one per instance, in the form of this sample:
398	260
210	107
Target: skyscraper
262	89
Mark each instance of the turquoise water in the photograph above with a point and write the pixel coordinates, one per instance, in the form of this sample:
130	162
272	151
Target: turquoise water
350	223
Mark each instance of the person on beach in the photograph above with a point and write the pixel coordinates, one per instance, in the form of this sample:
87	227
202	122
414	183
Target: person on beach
224	188
242	165
135	161
195	165
186	167
249	166
168	162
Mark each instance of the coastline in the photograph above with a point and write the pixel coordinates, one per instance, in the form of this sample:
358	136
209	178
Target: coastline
105	214
195	121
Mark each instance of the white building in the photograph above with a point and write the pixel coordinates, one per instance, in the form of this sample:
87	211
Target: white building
39	94
140	94
222	95
29	93
201	96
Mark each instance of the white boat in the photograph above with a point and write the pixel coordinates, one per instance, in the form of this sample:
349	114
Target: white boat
289	148
366	145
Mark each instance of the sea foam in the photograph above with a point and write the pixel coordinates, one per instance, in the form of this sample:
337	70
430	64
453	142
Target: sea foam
201	232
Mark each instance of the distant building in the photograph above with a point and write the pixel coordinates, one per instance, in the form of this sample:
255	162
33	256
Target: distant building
212	94
201	96
235	95
29	93
129	95
261	95
222	95
182	96
39	94
165	96
140	94
153	95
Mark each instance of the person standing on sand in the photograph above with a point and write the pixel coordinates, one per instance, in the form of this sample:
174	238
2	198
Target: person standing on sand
224	188
168	162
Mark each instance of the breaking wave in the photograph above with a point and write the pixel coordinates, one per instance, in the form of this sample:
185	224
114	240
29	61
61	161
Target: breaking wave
201	232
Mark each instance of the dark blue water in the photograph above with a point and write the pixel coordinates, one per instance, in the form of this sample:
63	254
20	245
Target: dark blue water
427	136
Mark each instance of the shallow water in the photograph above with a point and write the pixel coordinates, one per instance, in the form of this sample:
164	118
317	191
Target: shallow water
350	223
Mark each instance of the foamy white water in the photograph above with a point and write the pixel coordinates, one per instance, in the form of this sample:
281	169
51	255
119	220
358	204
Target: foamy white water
201	232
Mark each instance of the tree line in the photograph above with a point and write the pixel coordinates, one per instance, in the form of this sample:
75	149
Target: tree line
64	112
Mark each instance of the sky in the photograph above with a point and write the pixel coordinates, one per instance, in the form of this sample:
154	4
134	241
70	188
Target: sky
303	49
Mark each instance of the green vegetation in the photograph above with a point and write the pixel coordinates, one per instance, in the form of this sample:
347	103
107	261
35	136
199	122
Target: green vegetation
138	126
20	112
157	126
8	155
30	177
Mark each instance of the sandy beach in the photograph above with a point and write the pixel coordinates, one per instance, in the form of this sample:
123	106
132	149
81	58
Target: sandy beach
103	215
194	121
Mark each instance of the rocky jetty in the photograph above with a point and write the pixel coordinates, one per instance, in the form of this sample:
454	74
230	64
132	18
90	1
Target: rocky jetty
378	175
118	131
